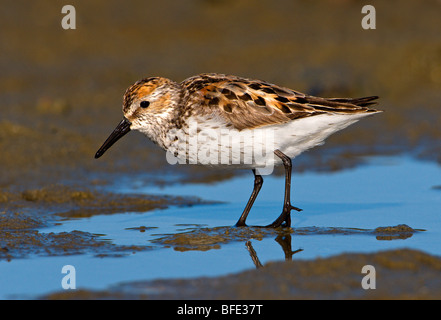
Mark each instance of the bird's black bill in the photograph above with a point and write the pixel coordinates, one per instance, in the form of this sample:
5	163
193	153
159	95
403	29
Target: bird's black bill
122	128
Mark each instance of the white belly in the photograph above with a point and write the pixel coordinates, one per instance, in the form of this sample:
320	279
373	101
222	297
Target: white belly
207	143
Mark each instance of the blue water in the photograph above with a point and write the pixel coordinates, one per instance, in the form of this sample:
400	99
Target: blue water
387	191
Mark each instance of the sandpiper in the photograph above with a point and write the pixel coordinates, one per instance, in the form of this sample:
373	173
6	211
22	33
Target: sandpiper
234	113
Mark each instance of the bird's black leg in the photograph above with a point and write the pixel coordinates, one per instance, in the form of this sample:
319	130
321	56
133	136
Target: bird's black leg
285	217
258	181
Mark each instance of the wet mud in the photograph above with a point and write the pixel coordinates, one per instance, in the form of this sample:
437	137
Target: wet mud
61	93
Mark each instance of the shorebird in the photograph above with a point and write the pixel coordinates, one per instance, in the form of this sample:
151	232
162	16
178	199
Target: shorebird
205	118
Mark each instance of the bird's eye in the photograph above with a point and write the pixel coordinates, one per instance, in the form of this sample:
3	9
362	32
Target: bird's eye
144	104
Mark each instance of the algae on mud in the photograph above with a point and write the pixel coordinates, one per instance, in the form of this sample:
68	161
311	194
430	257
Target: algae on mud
78	202
197	238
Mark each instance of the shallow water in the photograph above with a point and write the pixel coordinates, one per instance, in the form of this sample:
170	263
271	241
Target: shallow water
388	191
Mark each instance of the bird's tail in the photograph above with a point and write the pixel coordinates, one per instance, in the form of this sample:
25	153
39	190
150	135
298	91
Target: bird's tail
361	102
